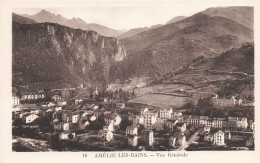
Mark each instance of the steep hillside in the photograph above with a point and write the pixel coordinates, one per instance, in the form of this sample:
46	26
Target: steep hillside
236	60
77	23
242	15
47	52
170	47
22	20
175	19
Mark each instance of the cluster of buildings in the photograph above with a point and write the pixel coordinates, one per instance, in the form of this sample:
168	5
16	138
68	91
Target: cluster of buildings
217	102
67	121
159	119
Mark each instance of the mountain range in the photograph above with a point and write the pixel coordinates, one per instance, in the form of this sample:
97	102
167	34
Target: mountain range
77	23
136	31
162	50
76	56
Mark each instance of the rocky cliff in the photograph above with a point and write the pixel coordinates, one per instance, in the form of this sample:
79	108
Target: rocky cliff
48	52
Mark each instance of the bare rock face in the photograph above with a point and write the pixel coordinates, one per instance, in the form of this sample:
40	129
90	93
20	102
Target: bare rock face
47	52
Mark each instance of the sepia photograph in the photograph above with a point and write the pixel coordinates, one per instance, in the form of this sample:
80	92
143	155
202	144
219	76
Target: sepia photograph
156	83
129	81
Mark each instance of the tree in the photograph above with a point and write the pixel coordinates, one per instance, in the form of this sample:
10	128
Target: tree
124	123
70	136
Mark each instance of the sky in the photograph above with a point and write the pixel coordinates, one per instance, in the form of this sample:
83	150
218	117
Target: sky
122	18
119	18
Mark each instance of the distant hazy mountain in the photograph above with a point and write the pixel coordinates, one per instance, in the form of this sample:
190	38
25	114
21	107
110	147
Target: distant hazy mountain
51	53
175	19
242	15
164	49
77	23
22	20
135	31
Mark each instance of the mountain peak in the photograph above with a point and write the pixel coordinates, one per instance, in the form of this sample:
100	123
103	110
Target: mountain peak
175	19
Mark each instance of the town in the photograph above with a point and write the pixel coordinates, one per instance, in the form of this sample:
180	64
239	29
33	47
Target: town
91	119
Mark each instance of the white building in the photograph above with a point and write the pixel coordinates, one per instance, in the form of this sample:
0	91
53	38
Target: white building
105	135
56	98
217	123
252	126
109	127
131	130
132	140
219	138
242	123
16	100
75	118
66	127
31	118
165	113
112	118
65	136
149	119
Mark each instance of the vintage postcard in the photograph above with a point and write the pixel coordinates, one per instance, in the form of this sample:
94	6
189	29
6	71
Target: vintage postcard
129	80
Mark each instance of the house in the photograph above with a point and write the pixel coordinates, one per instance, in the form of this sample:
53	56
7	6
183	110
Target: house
177	116
16	100
66	127
225	102
147	137
217	123
93	118
178	139
28	117
109	127
120	105
58	108
232	122
242	123
206	129
132	140
131	130
143	111
159	124
105	135
67	136
61	103
32	95
180	127
208	137
77	101
75	118
165	113
252	125
209	123
149	118
112	118
203	120
219	138
169	123
235	122
194	120
56	98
